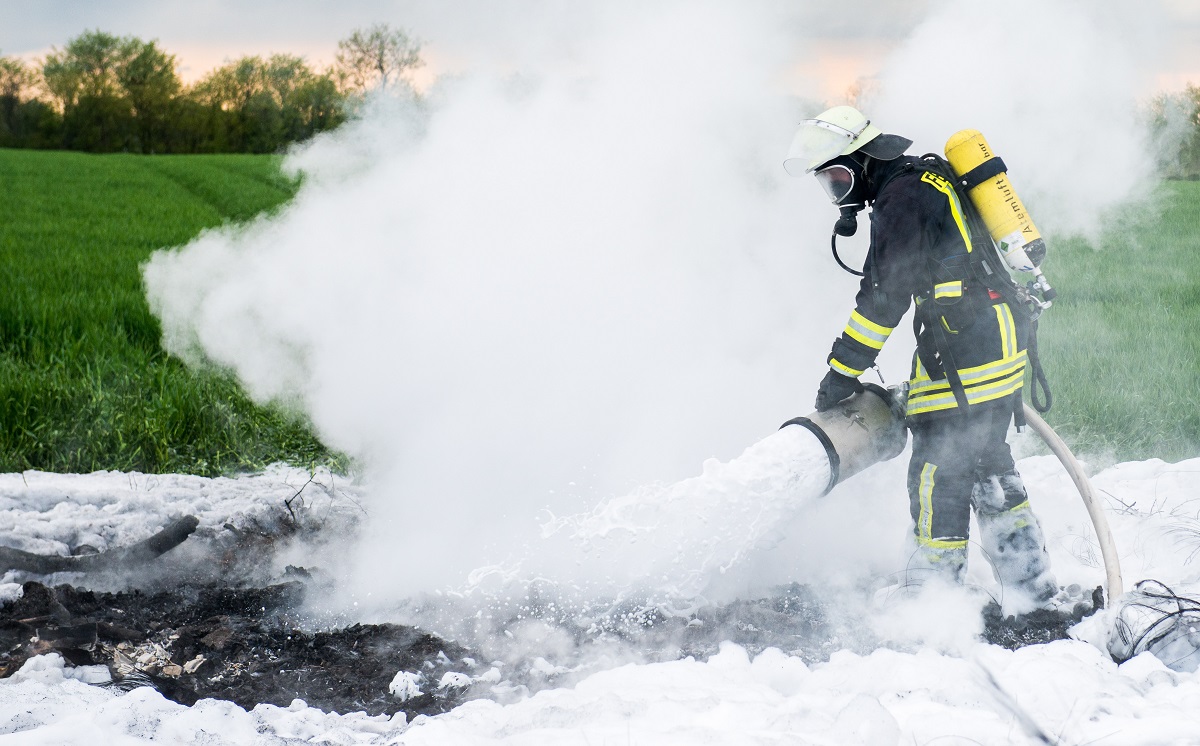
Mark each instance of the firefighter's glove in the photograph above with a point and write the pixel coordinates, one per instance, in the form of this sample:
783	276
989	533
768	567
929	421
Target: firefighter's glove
834	388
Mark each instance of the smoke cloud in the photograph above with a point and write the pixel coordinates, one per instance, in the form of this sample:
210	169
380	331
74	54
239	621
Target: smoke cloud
1056	87
577	268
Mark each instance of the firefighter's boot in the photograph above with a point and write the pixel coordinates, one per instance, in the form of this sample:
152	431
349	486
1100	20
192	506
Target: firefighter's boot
1013	542
937	561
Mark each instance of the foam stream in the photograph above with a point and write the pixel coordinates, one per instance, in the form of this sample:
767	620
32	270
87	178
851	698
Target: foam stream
677	538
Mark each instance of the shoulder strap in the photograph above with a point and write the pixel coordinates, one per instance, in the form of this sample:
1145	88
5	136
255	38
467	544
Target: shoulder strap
988	268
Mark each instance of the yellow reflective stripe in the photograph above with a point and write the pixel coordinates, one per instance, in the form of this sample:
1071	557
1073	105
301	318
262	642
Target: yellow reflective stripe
1019	507
866	331
942	543
952	289
844	369
869	341
932	399
1007	368
855	316
981	383
979	395
947	189
1008	329
925	517
925	386
925	495
931	404
1000	388
974	393
919	370
971	376
987	370
1000	326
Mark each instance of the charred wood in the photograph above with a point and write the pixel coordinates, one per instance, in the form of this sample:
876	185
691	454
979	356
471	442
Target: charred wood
137	554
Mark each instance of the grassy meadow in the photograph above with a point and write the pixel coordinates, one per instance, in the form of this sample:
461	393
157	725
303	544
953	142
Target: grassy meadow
84	382
1121	347
85	385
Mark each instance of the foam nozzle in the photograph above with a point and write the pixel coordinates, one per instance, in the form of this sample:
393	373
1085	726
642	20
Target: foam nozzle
859	431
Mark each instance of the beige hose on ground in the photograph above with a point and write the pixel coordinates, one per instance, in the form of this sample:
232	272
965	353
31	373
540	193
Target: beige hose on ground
1108	548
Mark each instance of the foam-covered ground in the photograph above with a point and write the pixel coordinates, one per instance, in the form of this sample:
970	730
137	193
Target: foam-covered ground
1069	689
920	689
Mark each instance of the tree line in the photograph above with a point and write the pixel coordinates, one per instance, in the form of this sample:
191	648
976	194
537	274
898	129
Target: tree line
105	93
1176	121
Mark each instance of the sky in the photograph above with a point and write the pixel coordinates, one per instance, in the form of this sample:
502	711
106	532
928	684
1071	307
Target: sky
848	40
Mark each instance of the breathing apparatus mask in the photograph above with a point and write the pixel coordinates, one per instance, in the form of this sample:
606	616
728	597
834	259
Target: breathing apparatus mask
826	150
837	146
844	179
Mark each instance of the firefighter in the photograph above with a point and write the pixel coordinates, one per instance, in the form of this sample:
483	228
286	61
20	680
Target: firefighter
969	366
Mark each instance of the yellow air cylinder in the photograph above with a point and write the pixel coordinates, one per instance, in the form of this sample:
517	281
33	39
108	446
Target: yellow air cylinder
997	202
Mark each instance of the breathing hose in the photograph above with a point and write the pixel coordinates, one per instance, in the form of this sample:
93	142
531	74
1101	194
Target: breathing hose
1108	547
838	259
1039	375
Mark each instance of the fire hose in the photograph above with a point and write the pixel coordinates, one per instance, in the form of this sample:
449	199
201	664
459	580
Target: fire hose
1108	547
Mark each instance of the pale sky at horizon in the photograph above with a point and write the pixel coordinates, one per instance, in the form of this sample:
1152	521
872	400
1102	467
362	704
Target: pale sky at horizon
845	40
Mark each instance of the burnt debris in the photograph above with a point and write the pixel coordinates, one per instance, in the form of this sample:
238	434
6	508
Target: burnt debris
241	645
250	645
117	559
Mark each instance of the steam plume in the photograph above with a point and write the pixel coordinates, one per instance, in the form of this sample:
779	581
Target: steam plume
576	268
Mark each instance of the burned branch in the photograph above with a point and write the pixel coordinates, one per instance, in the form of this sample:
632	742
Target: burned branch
138	554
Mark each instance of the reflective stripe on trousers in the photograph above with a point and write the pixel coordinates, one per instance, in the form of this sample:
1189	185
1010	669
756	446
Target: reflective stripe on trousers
950	454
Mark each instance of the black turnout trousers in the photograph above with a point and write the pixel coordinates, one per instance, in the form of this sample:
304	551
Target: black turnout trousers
950	455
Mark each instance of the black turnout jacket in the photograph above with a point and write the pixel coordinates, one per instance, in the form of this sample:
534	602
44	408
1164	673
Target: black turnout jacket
920	251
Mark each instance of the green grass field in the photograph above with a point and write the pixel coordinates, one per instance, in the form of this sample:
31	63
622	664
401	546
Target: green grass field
84	383
1122	345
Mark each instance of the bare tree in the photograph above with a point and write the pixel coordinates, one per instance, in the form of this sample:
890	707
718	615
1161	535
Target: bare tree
375	57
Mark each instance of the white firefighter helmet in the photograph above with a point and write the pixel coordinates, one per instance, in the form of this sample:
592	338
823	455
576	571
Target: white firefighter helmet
839	131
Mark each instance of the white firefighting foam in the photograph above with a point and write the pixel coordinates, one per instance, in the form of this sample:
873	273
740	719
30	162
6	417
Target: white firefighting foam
926	688
675	541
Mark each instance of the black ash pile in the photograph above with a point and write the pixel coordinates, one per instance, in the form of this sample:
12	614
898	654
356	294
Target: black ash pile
212	619
1038	626
242	645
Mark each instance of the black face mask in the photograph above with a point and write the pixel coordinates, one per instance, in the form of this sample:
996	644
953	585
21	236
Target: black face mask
844	179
